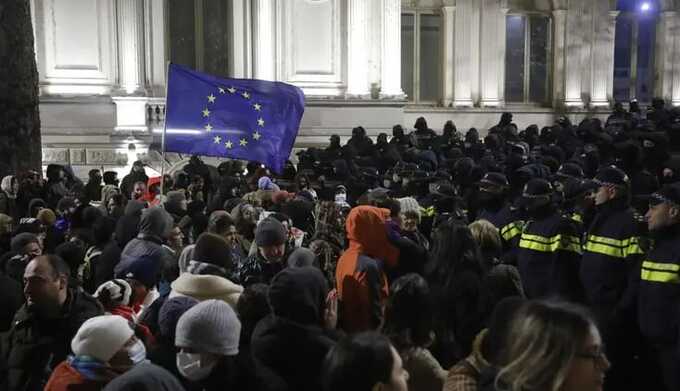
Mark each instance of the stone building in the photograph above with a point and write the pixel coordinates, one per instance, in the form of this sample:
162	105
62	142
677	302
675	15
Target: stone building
374	63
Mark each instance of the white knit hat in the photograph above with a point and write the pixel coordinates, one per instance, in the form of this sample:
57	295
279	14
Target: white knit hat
209	327
101	337
409	204
206	287
119	291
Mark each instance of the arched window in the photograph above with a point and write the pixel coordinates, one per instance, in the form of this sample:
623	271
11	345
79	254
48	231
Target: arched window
527	58
198	34
634	50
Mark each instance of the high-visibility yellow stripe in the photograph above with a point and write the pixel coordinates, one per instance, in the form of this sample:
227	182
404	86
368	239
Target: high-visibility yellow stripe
577	217
670	267
656	276
613	247
550	244
511	230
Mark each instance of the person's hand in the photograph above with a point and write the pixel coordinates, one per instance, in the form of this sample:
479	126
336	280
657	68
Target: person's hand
330	317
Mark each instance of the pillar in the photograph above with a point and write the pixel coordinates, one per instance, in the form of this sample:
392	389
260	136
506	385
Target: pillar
390	81
560	28
358	48
603	61
574	56
241	43
493	53
665	51
264	31
448	56
131	65
465	67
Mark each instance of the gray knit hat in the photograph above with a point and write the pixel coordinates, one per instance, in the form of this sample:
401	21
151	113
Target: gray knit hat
270	232
209	327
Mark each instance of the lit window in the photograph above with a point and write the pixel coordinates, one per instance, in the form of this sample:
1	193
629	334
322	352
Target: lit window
198	34
420	56
634	50
527	59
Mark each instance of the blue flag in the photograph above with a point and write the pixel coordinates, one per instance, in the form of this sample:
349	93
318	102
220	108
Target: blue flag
235	118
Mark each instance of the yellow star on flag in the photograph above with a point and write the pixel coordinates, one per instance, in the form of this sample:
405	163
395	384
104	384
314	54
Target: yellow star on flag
231	90
222	90
256	135
206	112
217	139
208	127
257	107
211	98
260	122
243	142
228	144
246	95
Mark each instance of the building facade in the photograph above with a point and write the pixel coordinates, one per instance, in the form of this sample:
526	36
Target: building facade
374	63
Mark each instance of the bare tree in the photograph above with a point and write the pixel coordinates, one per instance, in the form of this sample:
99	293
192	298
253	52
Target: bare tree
20	145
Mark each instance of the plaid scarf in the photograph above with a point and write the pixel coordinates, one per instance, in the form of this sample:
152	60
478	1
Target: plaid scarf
91	368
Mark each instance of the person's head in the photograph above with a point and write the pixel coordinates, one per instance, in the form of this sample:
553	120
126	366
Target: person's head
221	223
495	338
553	347
252	306
299	294
410	214
335	140
114	293
46	285
664	208
109	339
73	253
453	248
397	131
538	195
138	167
103	230
487	237
6	224
47	217
176	202
364	362
493	187
175	238
213	249
26	243
614	184
138	190
408	319
271	237
116	202
95	176
169	315
206	333
111	178
421	124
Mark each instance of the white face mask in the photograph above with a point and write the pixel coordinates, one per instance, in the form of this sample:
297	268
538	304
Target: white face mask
193	367
137	352
340	198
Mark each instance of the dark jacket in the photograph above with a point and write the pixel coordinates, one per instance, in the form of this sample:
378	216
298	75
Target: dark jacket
145	377
255	269
127	227
11	299
289	346
102	262
34	347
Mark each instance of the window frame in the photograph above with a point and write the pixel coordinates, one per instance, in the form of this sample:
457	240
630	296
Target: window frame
416	13
527	60
634	18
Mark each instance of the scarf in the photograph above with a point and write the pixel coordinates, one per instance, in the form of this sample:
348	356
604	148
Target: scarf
91	368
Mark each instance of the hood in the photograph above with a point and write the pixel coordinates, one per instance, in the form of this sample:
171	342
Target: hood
143	377
134	207
299	294
6	185
206	287
35	203
155	222
108	191
367	233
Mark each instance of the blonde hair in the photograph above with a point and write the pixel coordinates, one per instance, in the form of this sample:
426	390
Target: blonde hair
486	235
543	340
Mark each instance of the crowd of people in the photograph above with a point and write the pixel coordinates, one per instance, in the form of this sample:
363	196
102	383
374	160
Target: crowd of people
529	260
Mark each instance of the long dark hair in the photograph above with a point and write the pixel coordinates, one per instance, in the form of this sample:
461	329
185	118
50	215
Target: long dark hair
358	363
454	250
408	316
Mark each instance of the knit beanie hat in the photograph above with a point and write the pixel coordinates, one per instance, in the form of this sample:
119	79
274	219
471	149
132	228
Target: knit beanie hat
116	292
145	269
265	183
21	240
209	327
213	249
170	312
175	198
270	232
101	337
47	217
409	204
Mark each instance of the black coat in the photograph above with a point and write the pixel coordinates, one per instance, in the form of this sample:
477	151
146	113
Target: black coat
11	299
34	347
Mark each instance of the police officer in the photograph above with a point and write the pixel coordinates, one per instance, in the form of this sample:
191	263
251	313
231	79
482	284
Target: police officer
610	270
549	246
659	291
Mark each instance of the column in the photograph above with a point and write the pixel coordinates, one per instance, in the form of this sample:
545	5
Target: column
574	52
464	65
240	57
358	47
448	57
560	23
264	31
675	89
130	17
493	53
603	61
390	81
665	48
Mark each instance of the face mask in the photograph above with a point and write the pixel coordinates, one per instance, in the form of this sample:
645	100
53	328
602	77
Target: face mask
395	178
387	184
137	353
341	198
192	367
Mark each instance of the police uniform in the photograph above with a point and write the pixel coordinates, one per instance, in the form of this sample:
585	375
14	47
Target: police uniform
659	294
549	247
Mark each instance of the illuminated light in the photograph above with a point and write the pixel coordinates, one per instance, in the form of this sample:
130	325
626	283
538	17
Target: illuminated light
644	7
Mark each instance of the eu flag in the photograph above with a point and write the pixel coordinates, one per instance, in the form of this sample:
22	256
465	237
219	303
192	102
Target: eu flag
235	118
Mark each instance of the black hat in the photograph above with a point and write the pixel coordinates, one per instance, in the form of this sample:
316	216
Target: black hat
574	187
668	193
378	194
537	192
572	170
612	176
270	232
494	179
444	189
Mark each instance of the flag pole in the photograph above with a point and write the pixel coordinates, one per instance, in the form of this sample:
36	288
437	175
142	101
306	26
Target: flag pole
165	127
